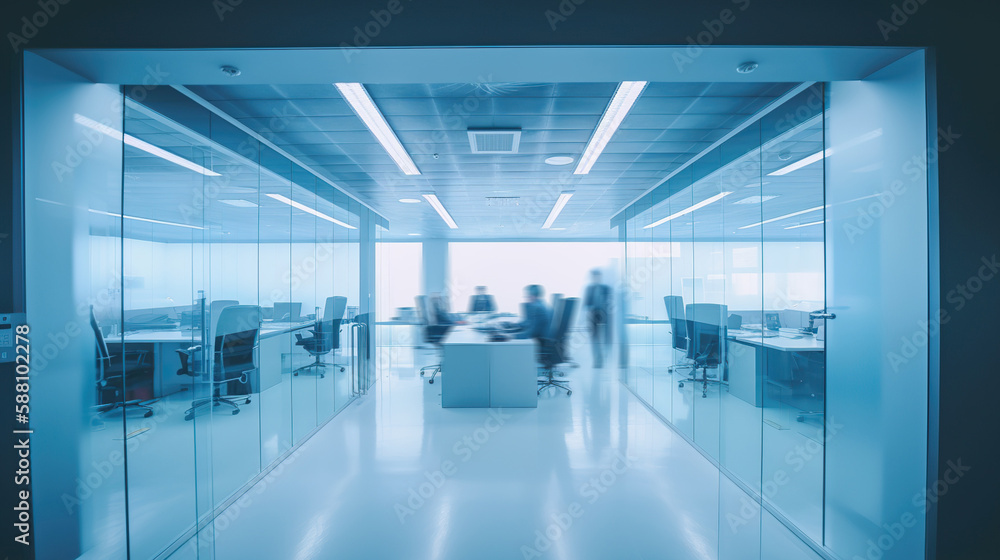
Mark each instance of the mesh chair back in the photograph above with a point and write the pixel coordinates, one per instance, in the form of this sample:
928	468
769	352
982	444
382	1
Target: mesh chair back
335	308
102	347
706	326
236	337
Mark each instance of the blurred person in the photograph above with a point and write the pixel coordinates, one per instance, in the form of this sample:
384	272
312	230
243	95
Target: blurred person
597	303
537	317
482	302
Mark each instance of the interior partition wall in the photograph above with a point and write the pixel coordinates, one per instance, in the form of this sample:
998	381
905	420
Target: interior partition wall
154	228
773	289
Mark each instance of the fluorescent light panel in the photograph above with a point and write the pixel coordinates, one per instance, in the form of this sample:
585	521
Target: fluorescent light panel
357	96
621	103
810	159
439	208
239	203
809	224
689	209
792	215
143	145
755	199
557	208
309	210
113	215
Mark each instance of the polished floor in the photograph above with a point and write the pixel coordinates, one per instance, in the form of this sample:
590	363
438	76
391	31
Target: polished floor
592	475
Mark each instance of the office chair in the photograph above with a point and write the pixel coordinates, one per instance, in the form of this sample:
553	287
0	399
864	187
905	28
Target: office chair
809	383
678	329
706	329
325	336
235	339
111	374
433	334
556	299
552	349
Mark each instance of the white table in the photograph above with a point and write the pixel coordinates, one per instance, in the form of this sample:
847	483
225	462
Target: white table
477	373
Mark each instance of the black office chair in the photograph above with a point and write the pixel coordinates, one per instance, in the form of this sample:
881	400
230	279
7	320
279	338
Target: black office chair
325	336
111	374
433	334
678	330
809	384
706	329
236	335
552	348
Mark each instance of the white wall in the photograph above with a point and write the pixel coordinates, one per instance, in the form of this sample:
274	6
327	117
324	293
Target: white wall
505	268
159	274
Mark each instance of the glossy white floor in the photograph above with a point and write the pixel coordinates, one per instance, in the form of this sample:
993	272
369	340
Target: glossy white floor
592	475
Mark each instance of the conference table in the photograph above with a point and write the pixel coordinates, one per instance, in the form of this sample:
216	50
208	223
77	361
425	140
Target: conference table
479	373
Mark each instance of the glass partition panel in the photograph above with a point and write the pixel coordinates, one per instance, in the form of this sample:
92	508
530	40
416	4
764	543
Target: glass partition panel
301	304
740	411
163	237
344	285
643	287
232	320
275	260
707	314
327	307
794	283
683	284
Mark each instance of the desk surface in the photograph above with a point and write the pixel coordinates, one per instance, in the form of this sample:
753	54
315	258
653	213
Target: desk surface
268	329
465	334
781	342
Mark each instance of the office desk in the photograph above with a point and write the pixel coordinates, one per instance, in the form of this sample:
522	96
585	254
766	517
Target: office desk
746	360
478	373
272	347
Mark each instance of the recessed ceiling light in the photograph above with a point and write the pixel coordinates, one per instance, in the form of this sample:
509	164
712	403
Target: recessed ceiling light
559	160
557	229
747	67
413	234
410	200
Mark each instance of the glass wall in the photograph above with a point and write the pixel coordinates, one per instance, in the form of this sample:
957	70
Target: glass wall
214	284
723	264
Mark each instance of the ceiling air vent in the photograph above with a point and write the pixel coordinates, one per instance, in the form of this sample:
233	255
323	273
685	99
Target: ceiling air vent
503	201
494	140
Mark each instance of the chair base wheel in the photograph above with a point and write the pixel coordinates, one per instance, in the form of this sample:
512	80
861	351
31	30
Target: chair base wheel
431	382
247	401
681	384
321	376
295	373
568	393
236	411
148	414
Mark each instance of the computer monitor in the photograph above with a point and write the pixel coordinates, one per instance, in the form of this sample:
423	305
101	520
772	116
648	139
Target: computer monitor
287	311
772	321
